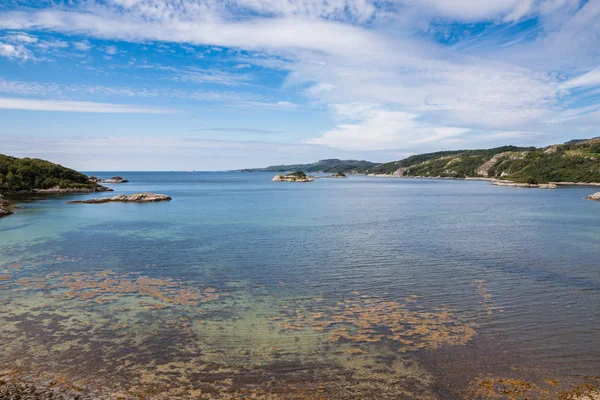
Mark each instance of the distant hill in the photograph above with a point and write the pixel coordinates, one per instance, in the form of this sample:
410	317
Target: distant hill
327	166
29	174
574	161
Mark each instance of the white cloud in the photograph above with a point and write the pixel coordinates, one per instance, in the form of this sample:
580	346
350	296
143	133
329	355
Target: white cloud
111	50
591	78
51	44
15	52
21	37
12	103
380	129
83	45
410	90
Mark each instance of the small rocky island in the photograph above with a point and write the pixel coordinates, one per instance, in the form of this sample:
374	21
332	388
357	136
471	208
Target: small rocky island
338	175
297	176
114	179
595	196
124	198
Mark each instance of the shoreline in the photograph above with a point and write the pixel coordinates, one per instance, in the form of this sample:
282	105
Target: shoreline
7	207
494	181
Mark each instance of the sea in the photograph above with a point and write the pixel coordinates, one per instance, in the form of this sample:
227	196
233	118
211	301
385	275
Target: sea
358	288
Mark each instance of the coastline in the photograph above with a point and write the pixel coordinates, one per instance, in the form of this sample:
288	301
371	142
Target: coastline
7	207
494	181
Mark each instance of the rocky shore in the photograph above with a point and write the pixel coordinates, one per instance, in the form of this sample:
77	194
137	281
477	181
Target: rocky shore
123	198
524	185
86	189
493	181
4	207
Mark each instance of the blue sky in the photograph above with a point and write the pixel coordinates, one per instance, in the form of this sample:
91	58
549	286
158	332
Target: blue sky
212	85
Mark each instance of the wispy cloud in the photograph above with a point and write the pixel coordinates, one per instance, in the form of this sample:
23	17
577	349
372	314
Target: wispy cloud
377	128
588	79
12	103
240	130
376	59
197	75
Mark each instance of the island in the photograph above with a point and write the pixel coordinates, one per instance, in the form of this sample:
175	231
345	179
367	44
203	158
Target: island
595	196
338	175
114	179
22	175
144	197
298	176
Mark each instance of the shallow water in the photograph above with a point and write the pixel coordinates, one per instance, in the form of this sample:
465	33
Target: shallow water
357	288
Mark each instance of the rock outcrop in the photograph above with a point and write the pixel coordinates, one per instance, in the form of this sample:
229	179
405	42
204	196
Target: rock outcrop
4	207
338	175
595	196
293	177
399	172
124	198
484	169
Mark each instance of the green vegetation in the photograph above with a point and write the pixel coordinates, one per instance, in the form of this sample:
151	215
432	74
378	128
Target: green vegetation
465	167
574	161
25	174
298	174
325	166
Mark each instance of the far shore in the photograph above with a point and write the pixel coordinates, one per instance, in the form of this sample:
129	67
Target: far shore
498	182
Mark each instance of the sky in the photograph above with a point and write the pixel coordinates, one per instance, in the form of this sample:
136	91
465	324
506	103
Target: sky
218	85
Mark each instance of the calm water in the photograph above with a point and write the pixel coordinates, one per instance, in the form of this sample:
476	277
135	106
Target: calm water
356	288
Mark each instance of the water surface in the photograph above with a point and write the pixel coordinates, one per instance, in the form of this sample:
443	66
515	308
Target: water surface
356	288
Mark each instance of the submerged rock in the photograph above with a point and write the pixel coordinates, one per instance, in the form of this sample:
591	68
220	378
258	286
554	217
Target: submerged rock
124	198
595	196
298	176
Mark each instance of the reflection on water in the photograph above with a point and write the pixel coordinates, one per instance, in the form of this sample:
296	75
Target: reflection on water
359	289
